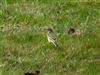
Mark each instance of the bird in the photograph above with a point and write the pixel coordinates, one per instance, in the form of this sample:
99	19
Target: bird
52	37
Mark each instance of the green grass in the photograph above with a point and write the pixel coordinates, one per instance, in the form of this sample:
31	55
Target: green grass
26	48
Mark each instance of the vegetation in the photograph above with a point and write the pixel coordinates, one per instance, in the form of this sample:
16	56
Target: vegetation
24	45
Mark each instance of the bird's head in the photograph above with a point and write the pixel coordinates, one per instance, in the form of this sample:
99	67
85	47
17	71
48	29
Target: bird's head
50	30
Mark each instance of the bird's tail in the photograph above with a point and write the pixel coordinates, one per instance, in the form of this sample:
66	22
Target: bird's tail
56	44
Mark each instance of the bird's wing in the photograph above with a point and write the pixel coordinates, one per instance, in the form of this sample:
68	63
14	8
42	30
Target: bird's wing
52	36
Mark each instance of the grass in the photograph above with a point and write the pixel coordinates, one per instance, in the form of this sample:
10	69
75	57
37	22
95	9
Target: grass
24	45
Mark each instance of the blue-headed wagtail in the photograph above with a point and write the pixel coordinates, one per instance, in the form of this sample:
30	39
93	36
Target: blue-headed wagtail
52	37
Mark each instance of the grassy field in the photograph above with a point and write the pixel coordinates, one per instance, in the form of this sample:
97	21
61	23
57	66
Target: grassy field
24	45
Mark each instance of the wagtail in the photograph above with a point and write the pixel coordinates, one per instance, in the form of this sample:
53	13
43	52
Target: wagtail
52	37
